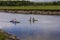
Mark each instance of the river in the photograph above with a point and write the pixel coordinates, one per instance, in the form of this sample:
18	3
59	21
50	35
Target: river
46	28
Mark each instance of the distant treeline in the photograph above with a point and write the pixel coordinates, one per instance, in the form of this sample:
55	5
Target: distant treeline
27	3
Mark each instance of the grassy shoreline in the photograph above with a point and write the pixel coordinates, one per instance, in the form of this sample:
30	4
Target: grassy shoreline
42	10
6	36
30	7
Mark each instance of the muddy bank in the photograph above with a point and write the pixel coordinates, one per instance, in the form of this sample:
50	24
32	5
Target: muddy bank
7	36
41	12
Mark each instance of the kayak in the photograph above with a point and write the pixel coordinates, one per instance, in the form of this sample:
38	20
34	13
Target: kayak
14	21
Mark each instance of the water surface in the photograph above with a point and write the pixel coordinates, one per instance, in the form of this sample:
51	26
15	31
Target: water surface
46	28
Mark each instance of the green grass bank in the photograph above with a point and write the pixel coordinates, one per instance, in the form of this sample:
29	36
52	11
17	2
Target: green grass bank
30	7
7	36
42	10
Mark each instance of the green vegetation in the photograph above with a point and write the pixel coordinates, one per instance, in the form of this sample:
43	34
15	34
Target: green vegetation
31	7
2	37
6	36
28	5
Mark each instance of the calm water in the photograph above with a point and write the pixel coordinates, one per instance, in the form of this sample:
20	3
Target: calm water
46	28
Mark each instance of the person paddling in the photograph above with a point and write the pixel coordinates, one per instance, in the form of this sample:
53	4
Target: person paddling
14	21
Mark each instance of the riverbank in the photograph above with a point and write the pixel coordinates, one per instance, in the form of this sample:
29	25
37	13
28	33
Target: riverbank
7	36
41	12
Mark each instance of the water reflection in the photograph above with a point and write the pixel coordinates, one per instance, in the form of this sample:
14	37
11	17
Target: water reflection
15	23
